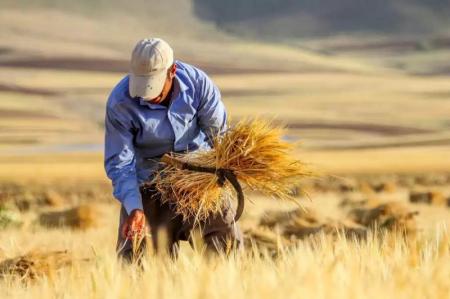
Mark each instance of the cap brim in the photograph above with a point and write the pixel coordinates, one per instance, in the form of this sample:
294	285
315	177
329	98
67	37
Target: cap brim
148	87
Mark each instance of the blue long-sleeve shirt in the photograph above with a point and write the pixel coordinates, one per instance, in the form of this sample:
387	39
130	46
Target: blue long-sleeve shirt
136	130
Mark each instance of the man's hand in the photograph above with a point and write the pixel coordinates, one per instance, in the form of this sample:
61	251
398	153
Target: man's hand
134	225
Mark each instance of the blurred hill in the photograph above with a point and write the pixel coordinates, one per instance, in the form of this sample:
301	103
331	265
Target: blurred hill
281	19
99	35
407	35
97	27
231	36
338	79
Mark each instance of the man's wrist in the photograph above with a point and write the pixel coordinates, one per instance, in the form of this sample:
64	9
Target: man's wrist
131	205
136	211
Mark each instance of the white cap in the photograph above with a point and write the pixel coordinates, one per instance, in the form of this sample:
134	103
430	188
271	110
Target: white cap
150	61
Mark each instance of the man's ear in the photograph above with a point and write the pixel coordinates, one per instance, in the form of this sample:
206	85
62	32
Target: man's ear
173	69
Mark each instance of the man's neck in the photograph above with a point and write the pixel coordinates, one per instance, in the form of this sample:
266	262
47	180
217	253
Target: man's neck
166	101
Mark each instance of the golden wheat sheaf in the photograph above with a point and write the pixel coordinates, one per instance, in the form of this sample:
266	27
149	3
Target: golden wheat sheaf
254	150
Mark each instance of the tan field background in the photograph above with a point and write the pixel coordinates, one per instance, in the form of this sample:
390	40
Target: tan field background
374	124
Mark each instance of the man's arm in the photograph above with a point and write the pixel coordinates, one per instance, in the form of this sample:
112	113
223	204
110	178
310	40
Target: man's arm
120	161
212	116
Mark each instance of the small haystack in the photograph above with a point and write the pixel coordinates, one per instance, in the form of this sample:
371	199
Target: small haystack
82	217
428	197
354	203
53	199
347	228
35	264
301	223
257	155
390	216
263	239
385	187
272	219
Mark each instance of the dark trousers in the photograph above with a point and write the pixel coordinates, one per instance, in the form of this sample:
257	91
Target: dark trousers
220	233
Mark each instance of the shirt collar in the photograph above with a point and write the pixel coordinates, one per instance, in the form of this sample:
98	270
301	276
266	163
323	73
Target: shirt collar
182	86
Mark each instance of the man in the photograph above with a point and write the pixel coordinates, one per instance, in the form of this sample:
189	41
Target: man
162	106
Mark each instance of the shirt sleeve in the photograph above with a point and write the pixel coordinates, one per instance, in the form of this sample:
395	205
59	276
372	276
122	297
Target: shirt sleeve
120	160
212	115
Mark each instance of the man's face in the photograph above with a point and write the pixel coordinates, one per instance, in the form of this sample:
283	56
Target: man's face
167	86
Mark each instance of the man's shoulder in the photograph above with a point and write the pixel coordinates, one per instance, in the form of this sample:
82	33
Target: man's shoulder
190	71
119	93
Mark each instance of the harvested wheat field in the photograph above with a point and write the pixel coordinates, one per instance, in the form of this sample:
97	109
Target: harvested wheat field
341	242
319	267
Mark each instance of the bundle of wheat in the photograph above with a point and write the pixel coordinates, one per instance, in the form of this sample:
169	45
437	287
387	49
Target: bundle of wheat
253	150
35	264
82	217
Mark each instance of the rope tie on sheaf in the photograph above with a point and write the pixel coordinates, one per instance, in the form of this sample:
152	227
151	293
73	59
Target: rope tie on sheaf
222	174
